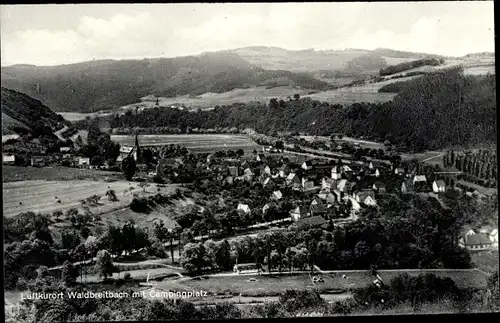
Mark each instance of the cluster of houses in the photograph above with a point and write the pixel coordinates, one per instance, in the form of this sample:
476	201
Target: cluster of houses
330	190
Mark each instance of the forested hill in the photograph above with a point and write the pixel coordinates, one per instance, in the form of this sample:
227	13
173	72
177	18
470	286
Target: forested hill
23	114
438	110
107	84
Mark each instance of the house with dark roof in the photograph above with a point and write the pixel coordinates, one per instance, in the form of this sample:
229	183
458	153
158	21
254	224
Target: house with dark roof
476	242
315	221
366	197
379	187
317	209
328	183
268	206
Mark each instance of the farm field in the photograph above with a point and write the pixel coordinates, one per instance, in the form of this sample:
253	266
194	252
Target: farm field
198	143
39	196
56	173
77	116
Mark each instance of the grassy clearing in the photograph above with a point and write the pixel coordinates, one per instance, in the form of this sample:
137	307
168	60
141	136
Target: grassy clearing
272	285
56	173
198	143
486	261
39	195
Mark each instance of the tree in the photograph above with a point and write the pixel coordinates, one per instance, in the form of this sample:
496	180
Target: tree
104	264
240	152
111	194
69	273
129	167
273	103
296	96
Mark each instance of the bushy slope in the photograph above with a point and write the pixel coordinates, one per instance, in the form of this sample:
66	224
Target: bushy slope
23	114
102	85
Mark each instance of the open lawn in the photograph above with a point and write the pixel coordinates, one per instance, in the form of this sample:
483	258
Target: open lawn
486	261
275	284
40	195
197	143
55	173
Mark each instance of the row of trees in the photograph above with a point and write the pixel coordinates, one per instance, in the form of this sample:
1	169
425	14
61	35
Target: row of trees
481	164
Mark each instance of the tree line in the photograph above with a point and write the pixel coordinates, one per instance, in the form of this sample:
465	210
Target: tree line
438	110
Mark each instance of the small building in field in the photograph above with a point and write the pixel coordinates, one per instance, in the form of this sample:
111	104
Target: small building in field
8	159
38	161
438	186
249	268
298	213
243	208
83	162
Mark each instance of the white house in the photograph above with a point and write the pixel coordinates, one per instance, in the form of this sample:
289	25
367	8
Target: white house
8	159
298	213
277	195
341	185
83	161
243	208
64	149
377	173
266	170
366	197
336	173
346	168
292	178
306	165
419	179
438	186
307	185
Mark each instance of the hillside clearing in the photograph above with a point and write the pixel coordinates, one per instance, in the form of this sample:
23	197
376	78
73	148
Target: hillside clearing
198	143
40	196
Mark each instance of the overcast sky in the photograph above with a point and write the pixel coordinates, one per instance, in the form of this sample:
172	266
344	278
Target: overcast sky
60	34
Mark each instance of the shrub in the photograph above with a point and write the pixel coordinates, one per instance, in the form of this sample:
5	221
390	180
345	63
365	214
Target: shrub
127	276
139	204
